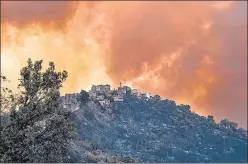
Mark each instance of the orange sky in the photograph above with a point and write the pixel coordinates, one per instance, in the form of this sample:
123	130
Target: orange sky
191	52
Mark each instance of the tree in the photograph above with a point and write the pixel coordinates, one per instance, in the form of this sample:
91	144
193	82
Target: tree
187	107
226	124
211	119
83	97
181	106
4	102
110	98
114	93
242	132
129	92
234	126
166	101
39	131
128	160
157	97
173	103
104	95
7	97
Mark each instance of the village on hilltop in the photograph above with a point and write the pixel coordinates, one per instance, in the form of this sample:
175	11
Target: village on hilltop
104	95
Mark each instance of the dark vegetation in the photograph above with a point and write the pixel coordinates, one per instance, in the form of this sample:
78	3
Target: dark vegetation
35	128
83	97
162	131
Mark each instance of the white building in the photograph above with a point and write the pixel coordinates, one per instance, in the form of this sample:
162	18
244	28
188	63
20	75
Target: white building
107	102
98	88
69	102
93	88
121	91
107	88
118	98
104	102
102	88
92	94
133	92
148	95
126	88
136	92
100	97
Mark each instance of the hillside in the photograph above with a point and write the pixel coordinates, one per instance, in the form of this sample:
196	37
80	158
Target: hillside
156	131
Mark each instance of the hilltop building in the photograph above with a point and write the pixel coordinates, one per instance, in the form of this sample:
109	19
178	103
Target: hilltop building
101	88
92	94
118	98
126	89
69	101
104	103
148	95
100	97
103	94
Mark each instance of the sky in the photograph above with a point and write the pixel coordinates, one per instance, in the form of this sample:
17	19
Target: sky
188	51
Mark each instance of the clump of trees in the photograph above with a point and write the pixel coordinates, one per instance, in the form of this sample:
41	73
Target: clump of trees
114	93
83	97
110	98
6	99
211	119
37	129
225	123
157	97
128	160
230	126
129	92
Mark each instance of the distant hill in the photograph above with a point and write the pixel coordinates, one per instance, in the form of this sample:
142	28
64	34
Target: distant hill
154	131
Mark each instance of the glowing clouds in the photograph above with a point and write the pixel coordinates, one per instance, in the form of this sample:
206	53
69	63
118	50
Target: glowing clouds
193	52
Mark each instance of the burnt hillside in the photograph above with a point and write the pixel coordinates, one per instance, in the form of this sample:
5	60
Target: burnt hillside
159	131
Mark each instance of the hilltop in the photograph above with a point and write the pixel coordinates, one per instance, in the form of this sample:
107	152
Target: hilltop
127	124
104	125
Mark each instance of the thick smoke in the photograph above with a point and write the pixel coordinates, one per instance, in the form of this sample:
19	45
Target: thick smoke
193	52
25	12
69	37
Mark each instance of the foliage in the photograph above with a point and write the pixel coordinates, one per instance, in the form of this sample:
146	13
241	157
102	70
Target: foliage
129	92
211	119
128	160
94	145
114	92
7	98
83	97
88	114
39	131
110	98
226	124
181	106
154	131
157	97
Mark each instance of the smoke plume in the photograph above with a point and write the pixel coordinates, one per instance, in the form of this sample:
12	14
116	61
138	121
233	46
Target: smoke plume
192	52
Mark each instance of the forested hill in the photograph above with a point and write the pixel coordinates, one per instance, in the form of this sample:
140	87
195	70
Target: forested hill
103	125
158	131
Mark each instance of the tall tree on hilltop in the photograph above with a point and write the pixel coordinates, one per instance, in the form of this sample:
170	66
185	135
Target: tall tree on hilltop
211	119
83	97
38	130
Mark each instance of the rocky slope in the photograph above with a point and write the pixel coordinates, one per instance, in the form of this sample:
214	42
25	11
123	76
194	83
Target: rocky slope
153	131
